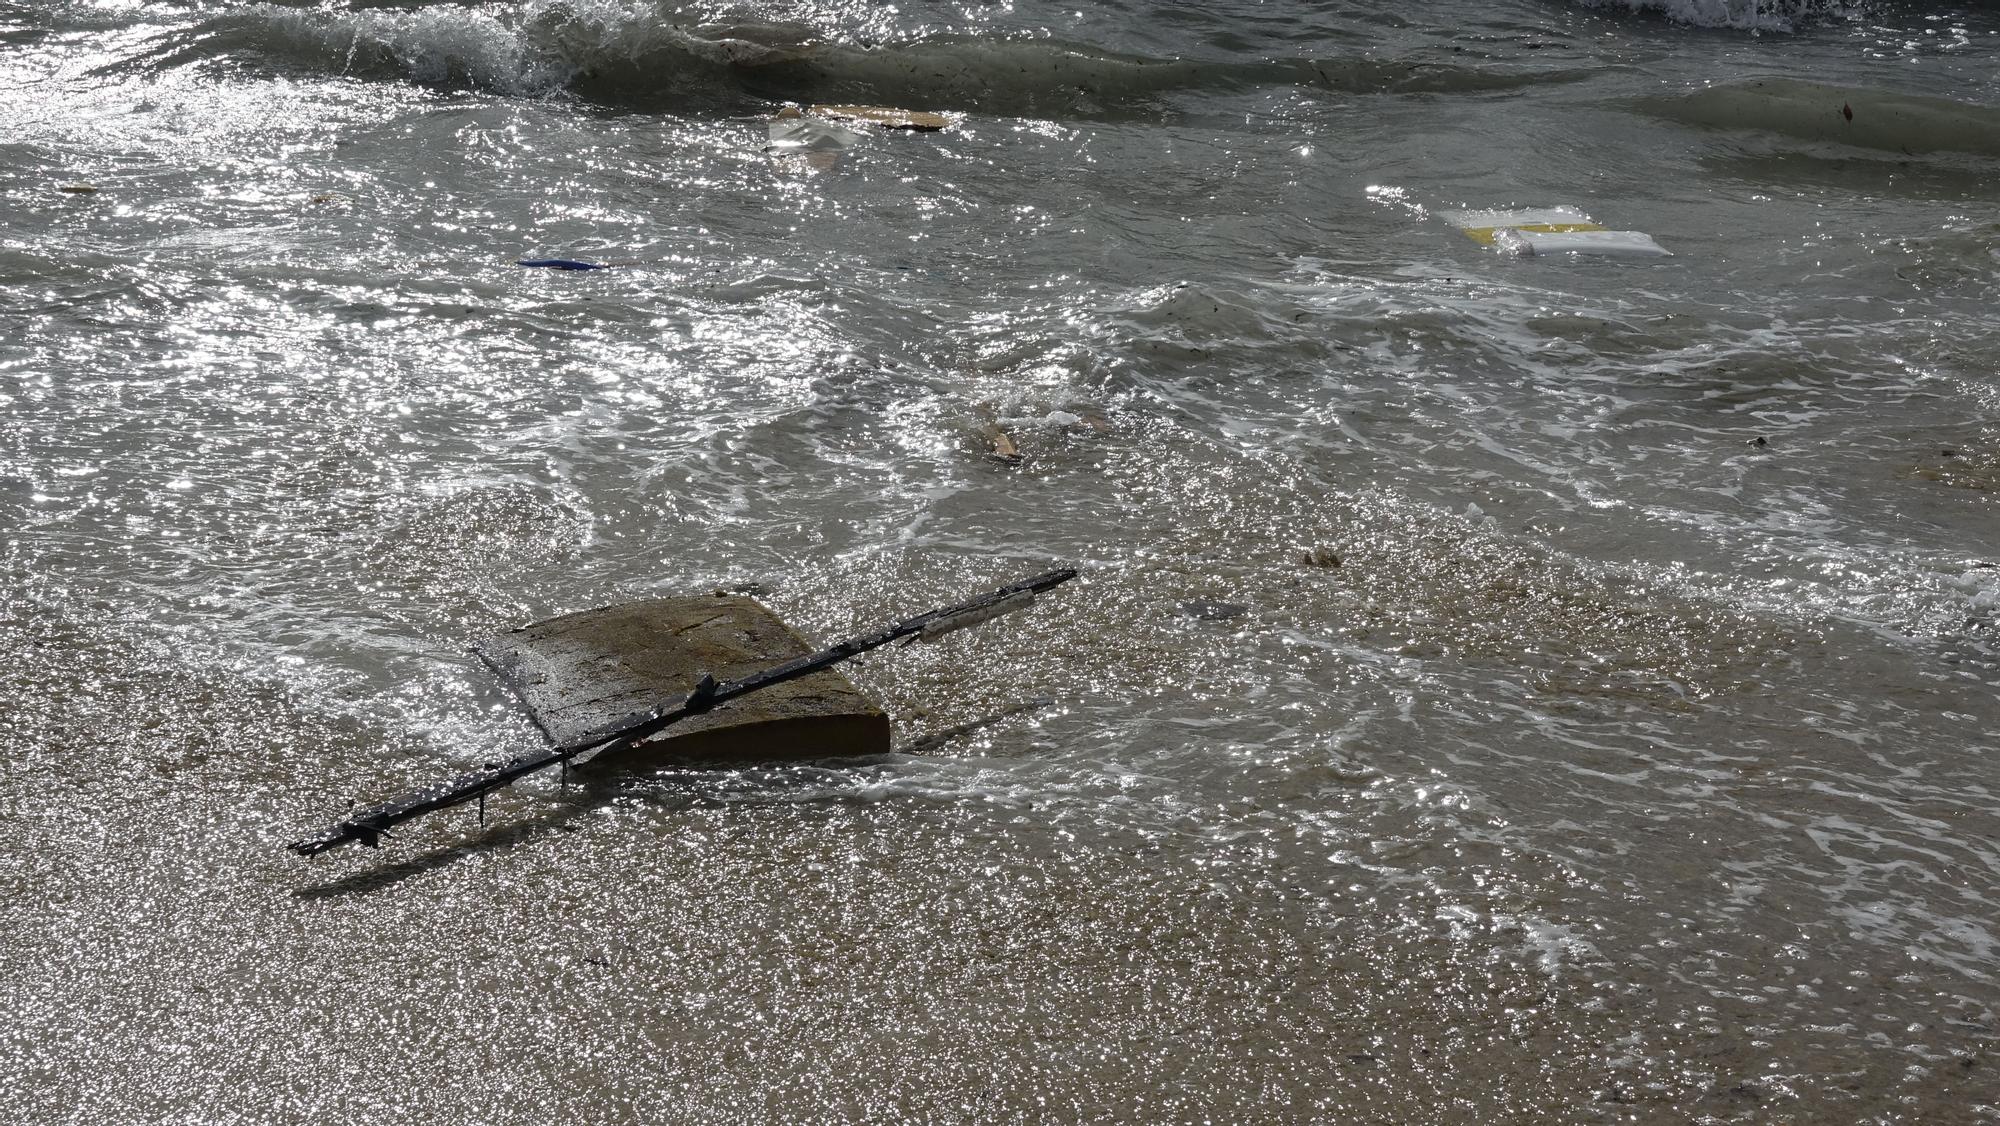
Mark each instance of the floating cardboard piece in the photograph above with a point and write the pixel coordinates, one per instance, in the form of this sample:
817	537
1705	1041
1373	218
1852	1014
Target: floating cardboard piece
887	117
603	668
1551	230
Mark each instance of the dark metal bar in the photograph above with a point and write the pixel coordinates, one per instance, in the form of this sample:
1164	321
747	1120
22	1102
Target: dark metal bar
370	825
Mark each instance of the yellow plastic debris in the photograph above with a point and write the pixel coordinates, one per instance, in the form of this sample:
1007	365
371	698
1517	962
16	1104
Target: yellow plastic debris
1551	230
1484	227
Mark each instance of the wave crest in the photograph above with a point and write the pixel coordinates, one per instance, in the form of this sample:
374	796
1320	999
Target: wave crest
1747	15
625	51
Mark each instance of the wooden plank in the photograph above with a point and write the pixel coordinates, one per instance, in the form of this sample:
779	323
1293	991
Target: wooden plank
604	668
887	117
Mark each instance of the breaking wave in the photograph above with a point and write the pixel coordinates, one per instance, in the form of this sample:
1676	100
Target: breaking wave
1748	15
628	52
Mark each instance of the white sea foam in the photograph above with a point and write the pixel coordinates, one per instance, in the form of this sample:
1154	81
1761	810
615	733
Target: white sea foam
634	51
1752	15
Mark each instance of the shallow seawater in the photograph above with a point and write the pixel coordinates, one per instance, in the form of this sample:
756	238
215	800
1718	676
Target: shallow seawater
1535	689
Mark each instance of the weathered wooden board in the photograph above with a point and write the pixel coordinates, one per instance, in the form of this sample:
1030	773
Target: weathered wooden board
887	117
601	668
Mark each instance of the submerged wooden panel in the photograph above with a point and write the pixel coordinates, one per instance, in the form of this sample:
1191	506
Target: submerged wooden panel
596	669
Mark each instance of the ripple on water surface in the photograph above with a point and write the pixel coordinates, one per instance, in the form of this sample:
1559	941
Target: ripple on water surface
1542	690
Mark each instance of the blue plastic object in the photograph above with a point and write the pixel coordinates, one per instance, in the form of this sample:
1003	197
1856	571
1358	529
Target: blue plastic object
561	264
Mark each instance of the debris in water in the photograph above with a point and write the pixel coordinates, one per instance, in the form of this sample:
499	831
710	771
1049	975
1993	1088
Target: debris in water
819	134
1553	230
792	133
1003	445
1202	610
528	670
886	117
603	669
561	264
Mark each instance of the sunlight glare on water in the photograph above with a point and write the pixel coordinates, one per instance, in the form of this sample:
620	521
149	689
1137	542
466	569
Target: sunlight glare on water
1550	689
